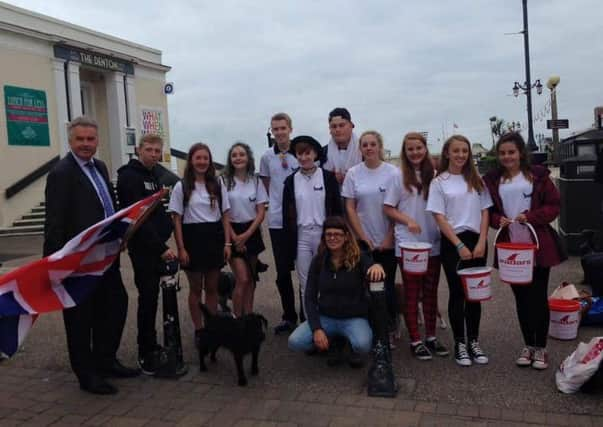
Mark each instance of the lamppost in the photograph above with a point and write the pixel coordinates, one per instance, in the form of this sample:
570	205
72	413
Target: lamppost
552	83
527	86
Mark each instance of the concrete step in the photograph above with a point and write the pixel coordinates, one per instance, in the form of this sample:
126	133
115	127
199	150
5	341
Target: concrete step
28	222
39	209
38	215
29	230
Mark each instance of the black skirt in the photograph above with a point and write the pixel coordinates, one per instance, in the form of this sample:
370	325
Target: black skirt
204	242
254	245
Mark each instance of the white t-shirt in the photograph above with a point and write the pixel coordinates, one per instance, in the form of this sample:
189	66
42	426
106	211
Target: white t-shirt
277	166
199	207
367	187
448	195
310	196
413	204
516	196
243	198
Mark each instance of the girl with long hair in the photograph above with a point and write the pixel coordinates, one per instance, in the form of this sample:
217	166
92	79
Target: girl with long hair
336	297
199	206
247	198
364	189
459	202
525	194
310	195
405	201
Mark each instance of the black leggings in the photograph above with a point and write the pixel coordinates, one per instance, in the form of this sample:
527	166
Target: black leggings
460	311
533	308
387	259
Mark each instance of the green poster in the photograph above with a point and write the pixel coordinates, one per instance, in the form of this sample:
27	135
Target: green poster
26	116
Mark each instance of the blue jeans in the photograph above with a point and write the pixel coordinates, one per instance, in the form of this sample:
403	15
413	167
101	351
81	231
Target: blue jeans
356	330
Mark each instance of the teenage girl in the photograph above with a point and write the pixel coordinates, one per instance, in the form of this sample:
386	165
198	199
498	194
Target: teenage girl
198	204
459	202
405	202
247	198
310	195
525	194
364	190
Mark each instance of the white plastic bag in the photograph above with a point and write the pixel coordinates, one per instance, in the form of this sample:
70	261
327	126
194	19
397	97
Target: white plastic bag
565	291
579	366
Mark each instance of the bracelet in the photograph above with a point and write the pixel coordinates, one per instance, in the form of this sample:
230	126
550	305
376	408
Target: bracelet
228	244
460	246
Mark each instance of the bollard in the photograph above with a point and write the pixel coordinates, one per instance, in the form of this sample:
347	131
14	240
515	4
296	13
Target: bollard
381	378
174	366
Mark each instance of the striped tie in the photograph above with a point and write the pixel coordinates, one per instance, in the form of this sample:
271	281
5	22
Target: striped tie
102	190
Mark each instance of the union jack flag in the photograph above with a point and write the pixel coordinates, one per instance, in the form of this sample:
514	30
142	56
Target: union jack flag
66	277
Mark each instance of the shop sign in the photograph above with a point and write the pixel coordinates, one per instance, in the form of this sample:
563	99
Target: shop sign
26	116
93	59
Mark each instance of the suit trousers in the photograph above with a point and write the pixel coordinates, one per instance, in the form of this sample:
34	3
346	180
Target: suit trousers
284	266
94	327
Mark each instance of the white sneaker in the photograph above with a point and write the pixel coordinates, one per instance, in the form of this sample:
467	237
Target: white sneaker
540	360
461	355
477	354
525	357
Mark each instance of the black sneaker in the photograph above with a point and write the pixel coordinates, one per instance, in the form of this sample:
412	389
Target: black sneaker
151	362
284	327
436	347
355	360
420	351
461	355
477	354
335	354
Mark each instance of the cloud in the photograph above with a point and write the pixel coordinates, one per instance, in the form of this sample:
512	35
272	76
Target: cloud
398	66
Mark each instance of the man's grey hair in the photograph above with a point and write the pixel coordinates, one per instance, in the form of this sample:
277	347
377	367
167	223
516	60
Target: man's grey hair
83	121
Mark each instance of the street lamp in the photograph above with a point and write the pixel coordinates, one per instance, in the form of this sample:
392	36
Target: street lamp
527	86
552	83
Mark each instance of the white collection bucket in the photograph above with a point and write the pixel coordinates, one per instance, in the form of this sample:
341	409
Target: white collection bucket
415	257
516	261
564	319
476	283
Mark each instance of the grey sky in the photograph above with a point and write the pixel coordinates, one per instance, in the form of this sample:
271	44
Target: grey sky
397	66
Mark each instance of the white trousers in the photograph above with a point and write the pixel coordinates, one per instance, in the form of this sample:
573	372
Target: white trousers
308	239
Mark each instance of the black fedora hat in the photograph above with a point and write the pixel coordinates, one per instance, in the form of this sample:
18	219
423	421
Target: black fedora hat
308	140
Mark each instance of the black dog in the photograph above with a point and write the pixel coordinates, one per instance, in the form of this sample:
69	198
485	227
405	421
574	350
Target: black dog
226	285
241	336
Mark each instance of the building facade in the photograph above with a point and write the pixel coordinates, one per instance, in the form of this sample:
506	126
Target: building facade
53	71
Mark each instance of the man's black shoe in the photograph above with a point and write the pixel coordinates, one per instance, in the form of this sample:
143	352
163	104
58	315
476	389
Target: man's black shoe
284	327
117	370
261	267
96	385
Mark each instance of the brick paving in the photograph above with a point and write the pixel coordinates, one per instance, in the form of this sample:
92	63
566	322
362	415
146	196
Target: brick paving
295	390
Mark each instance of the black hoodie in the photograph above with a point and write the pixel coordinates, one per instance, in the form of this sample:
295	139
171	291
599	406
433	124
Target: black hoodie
134	183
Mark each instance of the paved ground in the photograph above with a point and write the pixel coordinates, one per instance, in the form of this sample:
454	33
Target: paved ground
294	389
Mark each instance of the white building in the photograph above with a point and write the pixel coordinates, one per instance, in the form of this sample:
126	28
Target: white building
53	71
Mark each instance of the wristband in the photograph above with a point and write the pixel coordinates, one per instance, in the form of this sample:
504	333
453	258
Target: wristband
228	244
459	246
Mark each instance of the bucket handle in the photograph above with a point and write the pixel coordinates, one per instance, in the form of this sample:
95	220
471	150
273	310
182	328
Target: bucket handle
461	261
527	224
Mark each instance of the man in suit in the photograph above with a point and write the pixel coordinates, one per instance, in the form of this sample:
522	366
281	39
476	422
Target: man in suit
78	195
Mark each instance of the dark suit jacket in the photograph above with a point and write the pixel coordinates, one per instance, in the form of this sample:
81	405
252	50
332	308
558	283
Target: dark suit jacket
72	203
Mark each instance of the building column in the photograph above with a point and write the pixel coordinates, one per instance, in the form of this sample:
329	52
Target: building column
58	69
116	115
75	91
131	103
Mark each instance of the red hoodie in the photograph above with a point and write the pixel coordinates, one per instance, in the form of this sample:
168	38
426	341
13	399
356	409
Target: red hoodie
544	209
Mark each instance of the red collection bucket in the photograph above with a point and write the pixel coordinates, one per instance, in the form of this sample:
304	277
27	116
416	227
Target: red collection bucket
415	257
564	319
476	283
516	261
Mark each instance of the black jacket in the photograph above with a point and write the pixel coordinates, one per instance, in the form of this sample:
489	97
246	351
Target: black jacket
333	206
341	294
72	203
134	183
